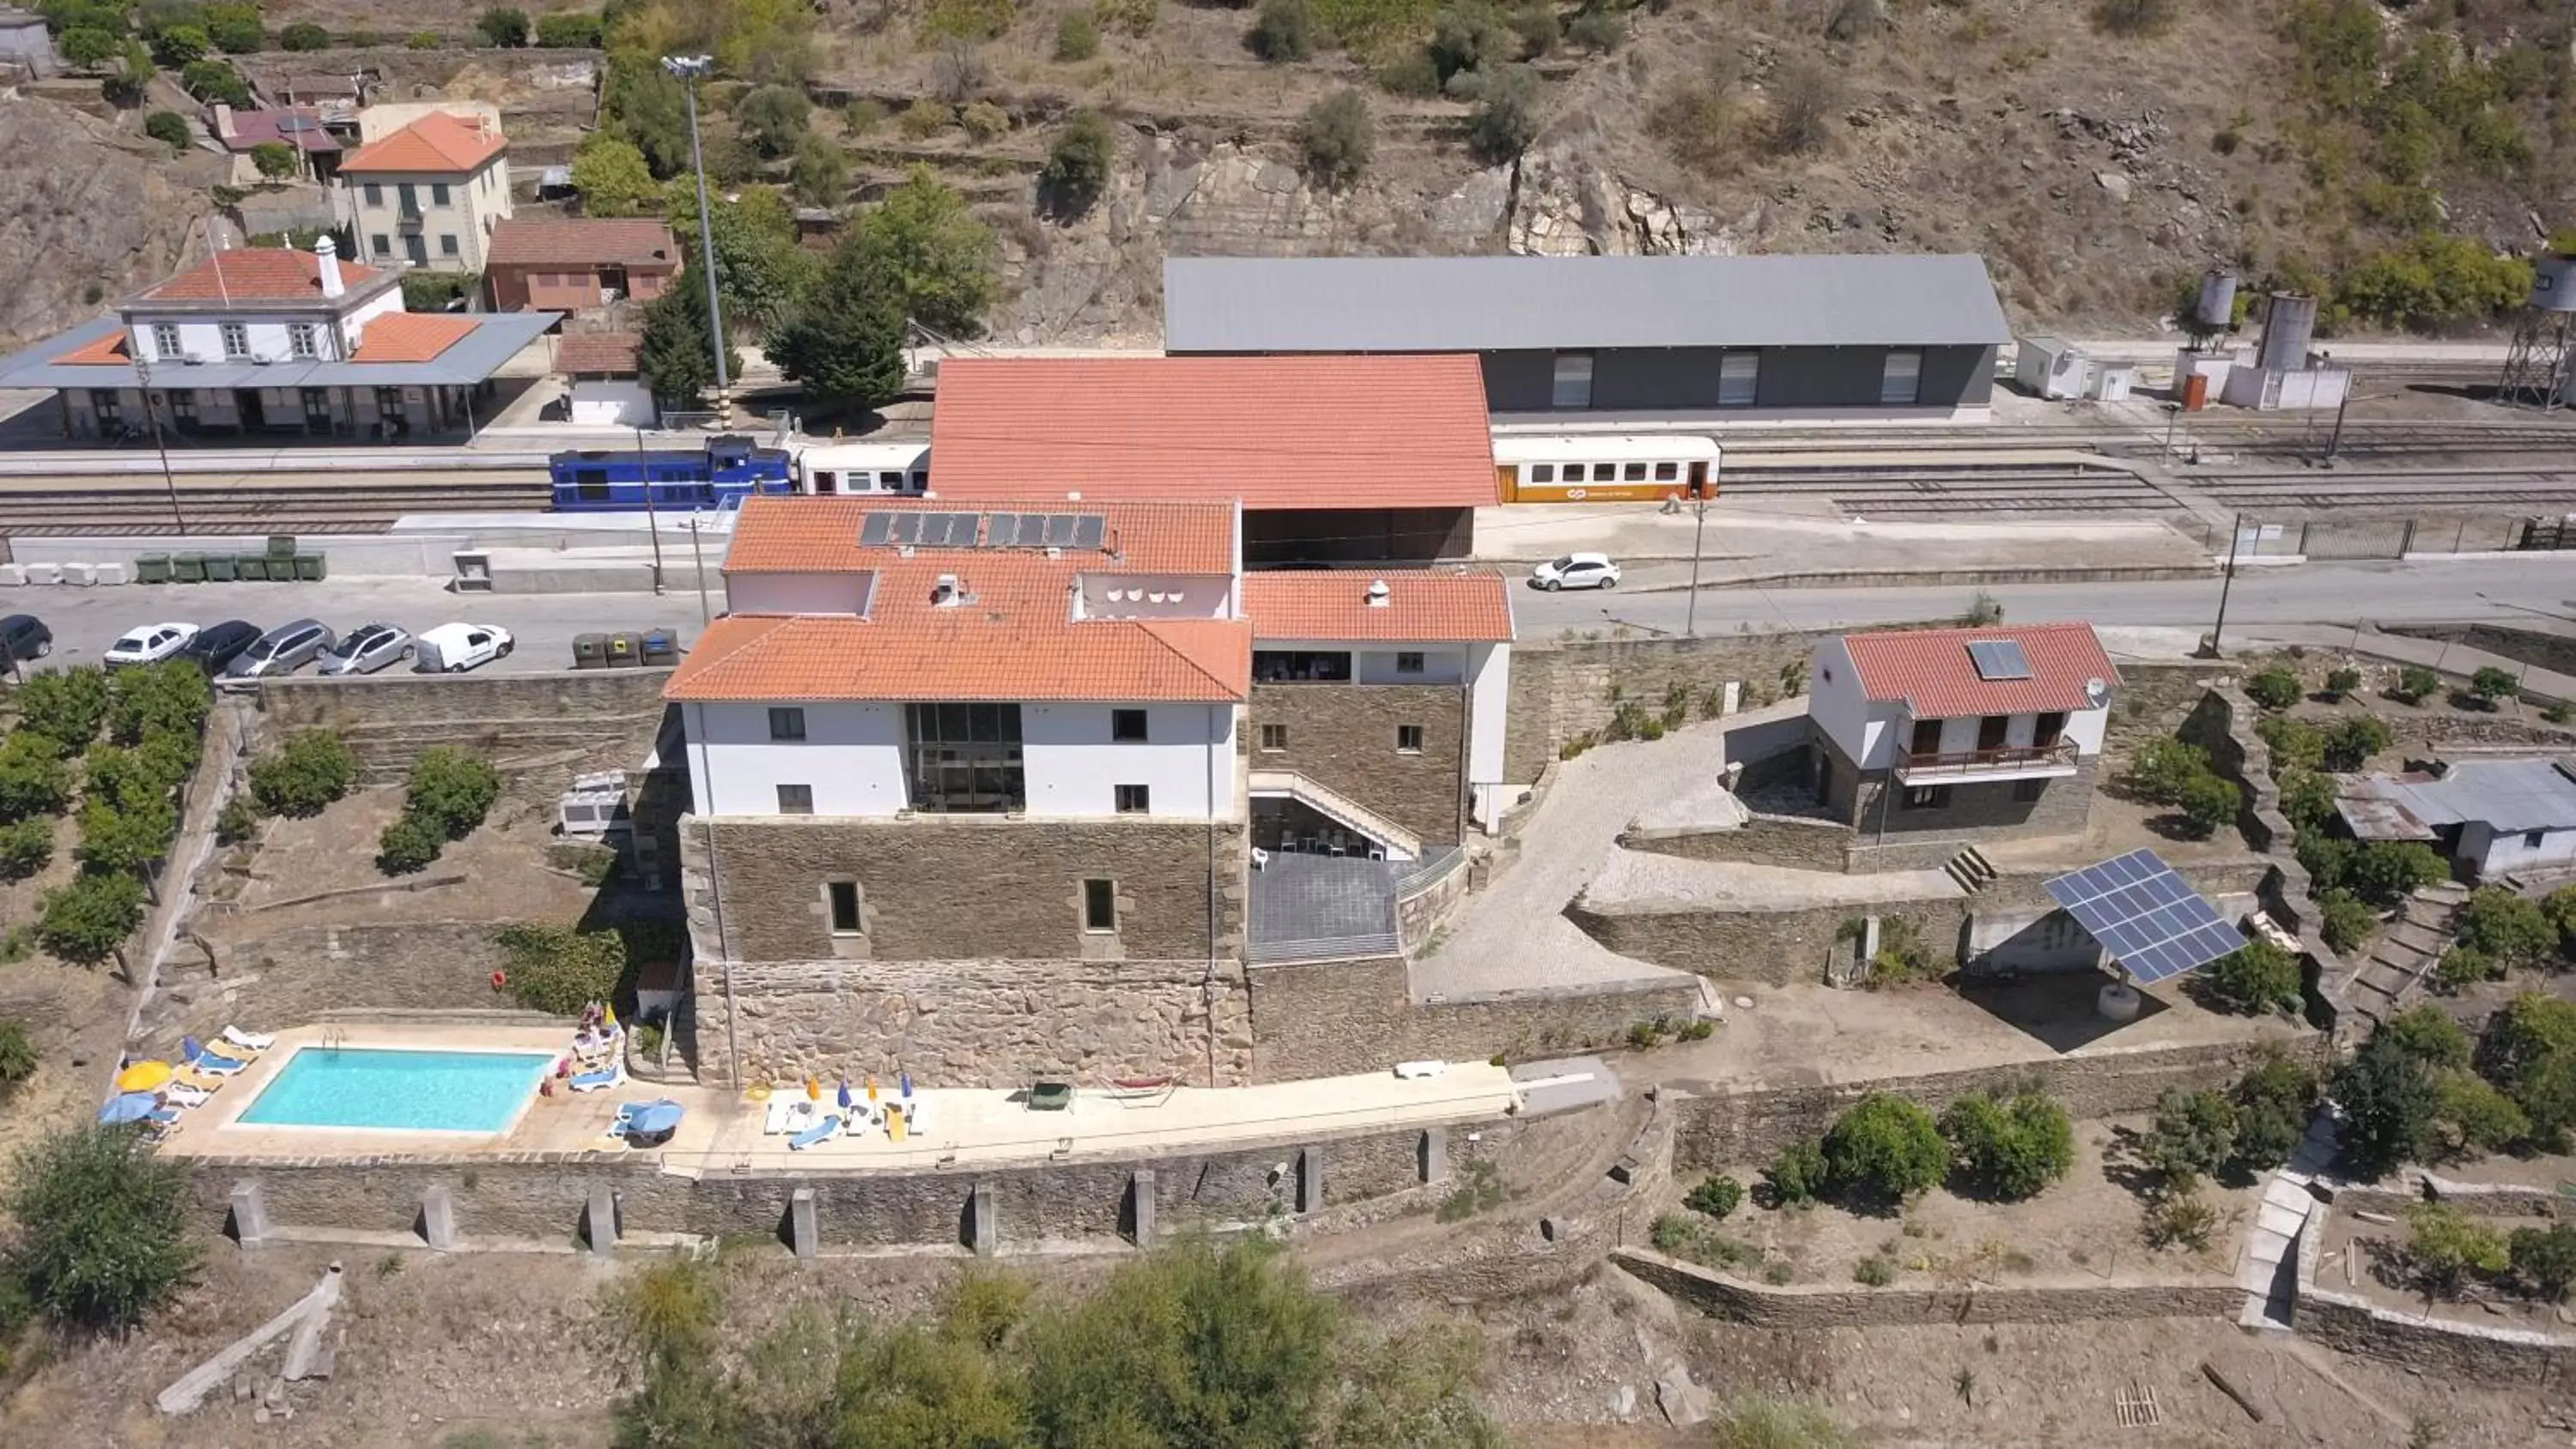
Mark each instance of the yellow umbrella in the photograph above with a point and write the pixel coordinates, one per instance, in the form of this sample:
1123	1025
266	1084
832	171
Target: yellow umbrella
608	1015
144	1077
813	1090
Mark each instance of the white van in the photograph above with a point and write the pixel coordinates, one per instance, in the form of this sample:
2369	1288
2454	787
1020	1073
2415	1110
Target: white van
455	648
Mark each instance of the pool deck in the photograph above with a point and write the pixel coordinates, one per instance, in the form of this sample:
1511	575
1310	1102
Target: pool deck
721	1131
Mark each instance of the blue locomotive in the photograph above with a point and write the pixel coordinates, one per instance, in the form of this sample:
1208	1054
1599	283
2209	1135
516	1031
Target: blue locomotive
728	469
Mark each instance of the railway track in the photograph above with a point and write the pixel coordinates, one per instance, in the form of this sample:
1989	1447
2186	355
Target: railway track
33	508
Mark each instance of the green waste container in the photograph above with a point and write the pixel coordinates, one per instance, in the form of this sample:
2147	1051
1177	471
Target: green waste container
189	568
152	568
219	568
310	569
281	545
252	567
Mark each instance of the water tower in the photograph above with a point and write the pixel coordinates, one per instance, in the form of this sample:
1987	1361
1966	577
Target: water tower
2214	314
2536	368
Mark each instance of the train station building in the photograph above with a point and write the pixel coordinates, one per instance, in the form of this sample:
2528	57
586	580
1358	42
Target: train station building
1626	343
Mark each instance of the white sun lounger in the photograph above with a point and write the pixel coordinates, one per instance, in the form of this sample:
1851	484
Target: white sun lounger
789	1116
257	1041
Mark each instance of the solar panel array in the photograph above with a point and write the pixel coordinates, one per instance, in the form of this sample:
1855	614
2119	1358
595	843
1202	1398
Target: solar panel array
925	529
2149	918
1999	659
1045	530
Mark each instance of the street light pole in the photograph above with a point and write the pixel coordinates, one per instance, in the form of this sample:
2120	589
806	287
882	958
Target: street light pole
2173	412
2235	534
652	525
152	417
698	563
1699	527
689	70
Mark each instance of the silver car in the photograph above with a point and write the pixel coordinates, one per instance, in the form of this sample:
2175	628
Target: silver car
282	650
366	649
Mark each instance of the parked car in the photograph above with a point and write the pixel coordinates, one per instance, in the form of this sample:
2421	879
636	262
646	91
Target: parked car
455	648
1576	571
24	636
282	650
150	644
366	649
218	645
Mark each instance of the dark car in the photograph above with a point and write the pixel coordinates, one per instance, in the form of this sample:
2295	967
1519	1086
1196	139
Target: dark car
217	645
24	636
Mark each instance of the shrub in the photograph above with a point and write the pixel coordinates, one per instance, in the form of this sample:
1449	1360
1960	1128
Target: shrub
2011	1150
304	35
1283	31
2429	1035
235	29
1759	1422
103	1226
2414	683
2308	799
984	121
2180	1219
170	129
1885	1149
87	48
2274	686
560	971
2481	1118
2545	1258
2135	18
2530	1051
275	159
2350	743
2444	1246
314	769
181	45
773	118
503	27
2295	744
2193	1136
236	822
2274	1101
1132	17
2343	683
1077	164
1602	31
2501	924
1805	98
2163	768
33	778
215	81
924	119
1506	118
1715	1196
1337	138
2385	871
26	847
1798	1175
18	1056
1874	1272
568	30
409	844
423	40
2255	978
2208	803
451	789
2491	684
65	705
2388	1104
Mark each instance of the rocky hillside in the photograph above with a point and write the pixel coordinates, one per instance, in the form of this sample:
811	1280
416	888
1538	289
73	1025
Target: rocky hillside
89	210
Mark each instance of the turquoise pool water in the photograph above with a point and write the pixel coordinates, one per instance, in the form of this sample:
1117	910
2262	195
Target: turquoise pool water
403	1090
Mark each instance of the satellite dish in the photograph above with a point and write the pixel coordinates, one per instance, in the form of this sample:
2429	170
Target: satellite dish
2096	693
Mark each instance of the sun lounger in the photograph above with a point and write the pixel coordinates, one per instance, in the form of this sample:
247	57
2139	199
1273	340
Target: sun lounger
823	1131
598	1081
250	1041
200	1081
207	1059
788	1116
186	1095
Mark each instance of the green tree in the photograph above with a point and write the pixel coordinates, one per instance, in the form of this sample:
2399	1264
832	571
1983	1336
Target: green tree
2445	1246
275	159
2388	1104
214	81
568	30
774	117
1506	118
1077	35
2414	682
845	341
821	175
235	29
408	845
2193	1136
2256	978
171	697
26	847
675	355
611	176
2560	906
181	45
2209	803
560	971
651	112
2351	742
2463	966
1885	1149
503	27
2545	1258
1283	31
2344	921
1077	164
34	781
103	1226
169	128
2274	1101
2385	871
304	35
1471	35
2479	1118
127	838
2011	1150
944	261
762	271
2530	1051
2308	799
2163	767
2275	686
2506	927
65	705
2429	1035
1337	137
314	768
451	789
87	49
89	919
1798	1174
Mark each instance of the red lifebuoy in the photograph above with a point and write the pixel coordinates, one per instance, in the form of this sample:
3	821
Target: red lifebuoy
499	980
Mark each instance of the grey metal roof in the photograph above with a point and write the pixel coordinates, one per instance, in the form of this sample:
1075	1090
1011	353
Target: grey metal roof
1484	304
497	337
2507	795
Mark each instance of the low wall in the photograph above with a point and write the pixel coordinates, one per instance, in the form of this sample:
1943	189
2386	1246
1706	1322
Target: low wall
2441	1349
2551	651
1425	905
540	729
1782	840
298	975
1793	1307
1328	1018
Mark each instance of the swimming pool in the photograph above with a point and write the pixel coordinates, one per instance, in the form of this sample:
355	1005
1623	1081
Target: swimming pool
400	1090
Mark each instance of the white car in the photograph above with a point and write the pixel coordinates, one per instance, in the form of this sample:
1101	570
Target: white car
150	644
1576	571
455	648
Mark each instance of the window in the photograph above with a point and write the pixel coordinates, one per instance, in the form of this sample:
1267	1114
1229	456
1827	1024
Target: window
2027	792
301	341
1739	379
787	723
1127	725
1135	800
383	245
447	246
438	193
1408	661
1542	472
1927	738
1301	666
966	757
1274	738
376	197
165	340
317	405
1668	472
2048	728
795	799
1636	472
1573	472
107	404
1992	731
1901	385
1099	905
1927	797
183	405
236	340
2531	839
1408	739
844	895
1571	384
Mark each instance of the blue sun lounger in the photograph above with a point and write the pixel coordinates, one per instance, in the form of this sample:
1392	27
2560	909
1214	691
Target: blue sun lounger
823	1131
206	1060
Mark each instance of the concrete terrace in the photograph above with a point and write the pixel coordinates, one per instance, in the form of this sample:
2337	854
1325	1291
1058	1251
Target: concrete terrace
722	1129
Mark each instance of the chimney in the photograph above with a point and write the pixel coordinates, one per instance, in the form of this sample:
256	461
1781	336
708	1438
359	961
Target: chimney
1377	594
945	594
326	253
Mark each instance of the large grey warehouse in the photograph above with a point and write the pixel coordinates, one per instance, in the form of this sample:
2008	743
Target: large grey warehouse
1627	341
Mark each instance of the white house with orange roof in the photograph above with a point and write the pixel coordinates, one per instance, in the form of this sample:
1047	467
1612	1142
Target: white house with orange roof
429	194
266	340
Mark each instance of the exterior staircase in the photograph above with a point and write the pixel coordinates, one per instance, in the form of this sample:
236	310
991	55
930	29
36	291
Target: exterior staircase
2269	1267
1340	807
2406	950
1970	869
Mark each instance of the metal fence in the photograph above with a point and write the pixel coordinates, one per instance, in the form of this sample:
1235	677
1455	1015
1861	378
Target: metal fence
2389	538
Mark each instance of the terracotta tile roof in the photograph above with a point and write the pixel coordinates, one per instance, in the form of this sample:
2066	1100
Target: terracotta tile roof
964	653
590	353
411	336
297	126
436	142
108	351
775	534
540	241
255	274
1930	670
1277	432
1421	604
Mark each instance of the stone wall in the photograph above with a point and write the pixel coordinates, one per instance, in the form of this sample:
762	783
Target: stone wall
1722	1127
2223	724
1783	840
1974	809
1809	1308
1424	905
1328	1018
297	975
2441	1349
2541	648
2153	698
1342	736
540	729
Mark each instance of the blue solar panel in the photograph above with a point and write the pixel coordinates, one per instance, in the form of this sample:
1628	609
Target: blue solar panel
2150	919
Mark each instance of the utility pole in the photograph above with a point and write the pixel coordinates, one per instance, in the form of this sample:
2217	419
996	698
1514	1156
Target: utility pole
2173	413
652	526
698	562
2235	533
152	417
689	70
2334	440
1699	527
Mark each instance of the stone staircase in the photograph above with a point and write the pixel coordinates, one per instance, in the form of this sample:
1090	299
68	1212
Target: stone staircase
1329	802
1970	869
2406	950
2268	1268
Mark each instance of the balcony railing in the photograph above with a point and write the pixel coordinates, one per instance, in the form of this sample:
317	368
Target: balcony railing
2002	760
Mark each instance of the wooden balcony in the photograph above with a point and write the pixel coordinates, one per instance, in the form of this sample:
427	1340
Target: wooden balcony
2004	762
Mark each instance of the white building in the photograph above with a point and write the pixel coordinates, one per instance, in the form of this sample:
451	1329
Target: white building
2488	817
429	194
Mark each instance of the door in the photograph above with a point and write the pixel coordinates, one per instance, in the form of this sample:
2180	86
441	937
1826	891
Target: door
612	284
1699	478
416	249
246	402
1990	731
1927	738
410	199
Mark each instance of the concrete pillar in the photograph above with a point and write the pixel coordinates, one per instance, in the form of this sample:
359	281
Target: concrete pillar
250	1215
1435	1154
601	1219
1310	1180
1140	1207
438	1219
984	1233
801	1229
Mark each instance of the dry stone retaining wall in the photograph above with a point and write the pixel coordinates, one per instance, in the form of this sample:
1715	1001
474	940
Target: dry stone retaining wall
1810	1308
1328	1018
542	730
1782	840
2440	1349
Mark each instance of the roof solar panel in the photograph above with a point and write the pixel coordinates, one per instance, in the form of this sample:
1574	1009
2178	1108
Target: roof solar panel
903	528
1999	659
1059	530
2149	918
872	532
1089	529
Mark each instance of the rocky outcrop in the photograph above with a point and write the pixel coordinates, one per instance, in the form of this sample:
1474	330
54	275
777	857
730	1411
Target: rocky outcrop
87	214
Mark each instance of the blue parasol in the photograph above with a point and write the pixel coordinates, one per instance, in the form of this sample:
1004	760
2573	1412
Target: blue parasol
845	1094
653	1117
131	1107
